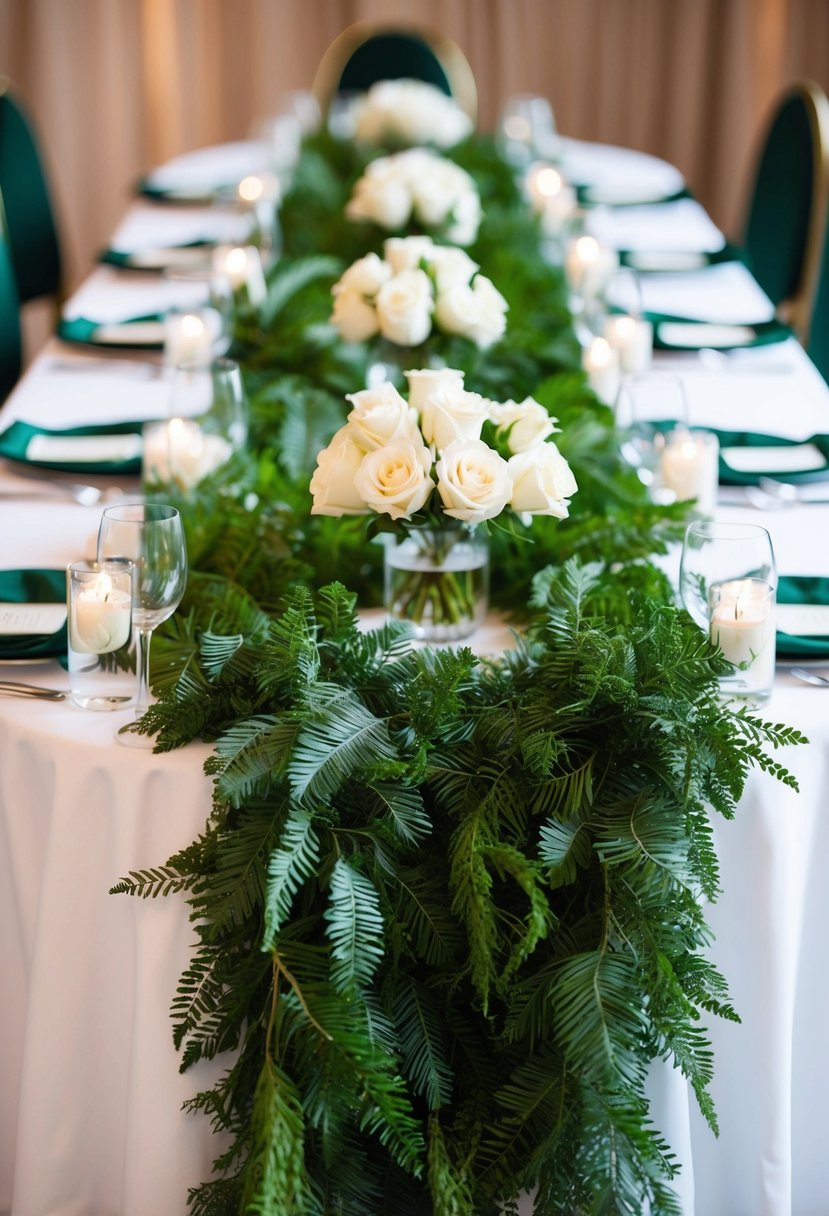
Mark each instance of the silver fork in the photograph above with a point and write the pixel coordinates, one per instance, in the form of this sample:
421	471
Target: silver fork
809	677
772	495
11	688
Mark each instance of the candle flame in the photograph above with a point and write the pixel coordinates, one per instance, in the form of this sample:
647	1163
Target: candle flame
548	182
192	326
251	188
587	248
600	352
236	261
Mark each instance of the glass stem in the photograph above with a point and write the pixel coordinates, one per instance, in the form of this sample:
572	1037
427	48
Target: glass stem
142	700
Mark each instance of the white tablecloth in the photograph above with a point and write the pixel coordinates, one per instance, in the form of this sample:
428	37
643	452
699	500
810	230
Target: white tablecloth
89	1108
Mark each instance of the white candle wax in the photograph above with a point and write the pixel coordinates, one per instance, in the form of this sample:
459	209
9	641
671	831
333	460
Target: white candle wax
601	362
552	197
633	339
100	617
188	337
589	265
742	624
179	450
242	266
690	467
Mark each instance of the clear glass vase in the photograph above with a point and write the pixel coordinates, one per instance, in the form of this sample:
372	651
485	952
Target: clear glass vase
437	579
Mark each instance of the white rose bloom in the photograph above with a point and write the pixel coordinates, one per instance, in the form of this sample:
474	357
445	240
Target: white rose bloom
474	483
523	423
379	416
404	308
456	311
332	484
542	481
491	320
354	318
466	219
451	266
450	412
412	111
394	480
437	188
406	252
382	195
366	276
423	381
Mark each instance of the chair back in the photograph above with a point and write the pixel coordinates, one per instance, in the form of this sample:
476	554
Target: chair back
365	53
31	223
818	343
785	222
10	345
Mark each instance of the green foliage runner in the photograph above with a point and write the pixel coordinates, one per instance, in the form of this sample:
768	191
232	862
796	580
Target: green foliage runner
448	909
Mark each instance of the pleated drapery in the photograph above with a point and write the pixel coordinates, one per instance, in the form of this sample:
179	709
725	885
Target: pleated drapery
117	86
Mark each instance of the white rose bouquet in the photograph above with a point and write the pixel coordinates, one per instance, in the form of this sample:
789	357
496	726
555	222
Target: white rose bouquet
420	186
408	112
417	285
436	465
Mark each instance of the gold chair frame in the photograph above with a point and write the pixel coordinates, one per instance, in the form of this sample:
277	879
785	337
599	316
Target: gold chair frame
448	53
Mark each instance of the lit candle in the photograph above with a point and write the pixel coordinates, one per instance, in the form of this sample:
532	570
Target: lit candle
179	450
100	617
242	267
188	337
589	265
742	624
601	362
552	197
258	186
633	339
690	467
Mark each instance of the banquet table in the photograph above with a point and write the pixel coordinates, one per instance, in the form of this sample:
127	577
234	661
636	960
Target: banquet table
90	1118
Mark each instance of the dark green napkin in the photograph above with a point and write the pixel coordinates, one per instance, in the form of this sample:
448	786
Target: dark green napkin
125	261
16	438
792	589
161	194
81	329
753	439
33	587
586	196
647	261
765	332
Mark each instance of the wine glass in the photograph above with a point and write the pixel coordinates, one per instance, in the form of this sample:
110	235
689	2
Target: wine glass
527	130
727	583
151	536
646	406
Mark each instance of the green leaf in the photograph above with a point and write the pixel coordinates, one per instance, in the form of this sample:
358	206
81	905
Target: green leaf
354	925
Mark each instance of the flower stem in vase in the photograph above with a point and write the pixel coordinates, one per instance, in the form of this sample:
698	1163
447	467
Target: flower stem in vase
438	580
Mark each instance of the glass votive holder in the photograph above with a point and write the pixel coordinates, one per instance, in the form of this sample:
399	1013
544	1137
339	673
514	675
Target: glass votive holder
742	625
199	316
690	468
601	362
727	582
242	267
101	649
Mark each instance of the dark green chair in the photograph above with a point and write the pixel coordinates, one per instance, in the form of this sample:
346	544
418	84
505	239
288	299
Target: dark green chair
30	219
365	53
785	222
10	349
818	342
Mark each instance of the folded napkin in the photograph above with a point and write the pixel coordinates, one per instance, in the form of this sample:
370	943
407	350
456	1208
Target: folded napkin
606	174
681	333
151	238
198	176
793	460
140	333
33	587
811	598
682	226
15	441
665	259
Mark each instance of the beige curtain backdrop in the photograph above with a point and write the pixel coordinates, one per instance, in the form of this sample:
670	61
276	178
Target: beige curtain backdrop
117	86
